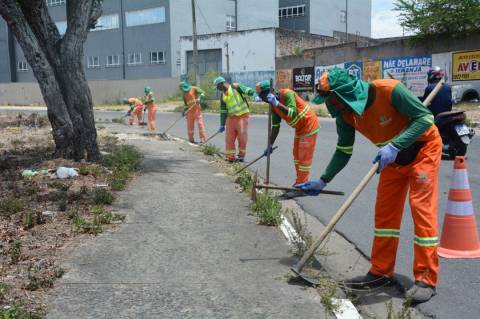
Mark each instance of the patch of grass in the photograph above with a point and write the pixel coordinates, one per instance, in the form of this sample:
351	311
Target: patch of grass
119	179
84	170
210	149
38	282
32	190
29	220
304	239
470	123
10	206
245	180
102	216
81	226
268	210
15	252
123	157
467	106
327	290
18	311
119	120
103	197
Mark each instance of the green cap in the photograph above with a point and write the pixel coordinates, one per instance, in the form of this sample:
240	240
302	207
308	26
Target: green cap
263	86
147	89
219	80
352	91
186	87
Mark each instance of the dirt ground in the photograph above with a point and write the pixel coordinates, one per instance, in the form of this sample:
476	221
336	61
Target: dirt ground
41	216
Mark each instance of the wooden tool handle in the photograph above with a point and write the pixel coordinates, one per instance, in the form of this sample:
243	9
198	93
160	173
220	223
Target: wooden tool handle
434	92
341	211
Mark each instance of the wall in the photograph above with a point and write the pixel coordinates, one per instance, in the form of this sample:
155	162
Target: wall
249	50
288	42
254	14
103	92
359	17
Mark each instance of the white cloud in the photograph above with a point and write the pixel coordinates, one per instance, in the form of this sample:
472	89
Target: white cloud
385	24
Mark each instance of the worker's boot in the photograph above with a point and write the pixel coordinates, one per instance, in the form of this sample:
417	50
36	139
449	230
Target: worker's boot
420	292
369	281
240	159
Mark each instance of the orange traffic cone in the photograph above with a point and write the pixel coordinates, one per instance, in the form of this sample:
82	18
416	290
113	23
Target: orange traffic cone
459	234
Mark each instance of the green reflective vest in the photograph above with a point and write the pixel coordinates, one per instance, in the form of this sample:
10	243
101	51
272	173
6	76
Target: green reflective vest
236	106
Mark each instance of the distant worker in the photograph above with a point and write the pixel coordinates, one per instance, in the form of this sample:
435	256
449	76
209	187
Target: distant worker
391	117
443	100
193	110
149	101
136	109
234	113
287	105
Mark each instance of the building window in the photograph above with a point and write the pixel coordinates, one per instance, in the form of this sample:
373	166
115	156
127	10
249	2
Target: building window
289	12
22	66
157	57
113	60
231	23
107	22
55	2
134	58
61	26
93	62
146	16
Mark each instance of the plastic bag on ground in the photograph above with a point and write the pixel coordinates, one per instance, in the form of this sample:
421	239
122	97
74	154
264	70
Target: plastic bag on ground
66	172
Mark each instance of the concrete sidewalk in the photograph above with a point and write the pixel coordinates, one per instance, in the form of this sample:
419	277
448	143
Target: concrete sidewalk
189	249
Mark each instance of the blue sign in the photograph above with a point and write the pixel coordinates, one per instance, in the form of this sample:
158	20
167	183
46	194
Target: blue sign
355	69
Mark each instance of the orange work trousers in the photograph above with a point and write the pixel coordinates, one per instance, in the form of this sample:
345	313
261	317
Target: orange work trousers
195	114
236	128
136	112
421	179
303	151
152	109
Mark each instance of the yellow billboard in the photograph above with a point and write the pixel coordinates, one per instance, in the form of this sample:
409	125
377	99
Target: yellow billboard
466	66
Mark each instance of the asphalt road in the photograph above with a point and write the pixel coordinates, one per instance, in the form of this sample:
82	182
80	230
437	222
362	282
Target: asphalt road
459	280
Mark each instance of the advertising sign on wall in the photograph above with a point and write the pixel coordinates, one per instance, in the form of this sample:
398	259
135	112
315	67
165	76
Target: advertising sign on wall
466	66
411	70
284	78
303	79
372	70
355	69
320	69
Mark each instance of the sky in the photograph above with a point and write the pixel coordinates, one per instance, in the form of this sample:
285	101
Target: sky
384	19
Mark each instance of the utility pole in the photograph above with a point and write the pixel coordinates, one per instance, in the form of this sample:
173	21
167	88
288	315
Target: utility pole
228	60
195	45
124	58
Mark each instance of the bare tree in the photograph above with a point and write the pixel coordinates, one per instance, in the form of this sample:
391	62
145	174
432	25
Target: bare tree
56	62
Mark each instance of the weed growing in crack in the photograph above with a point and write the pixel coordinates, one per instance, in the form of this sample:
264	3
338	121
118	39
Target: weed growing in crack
18	311
38	282
245	180
327	290
404	313
210	149
303	241
268	210
81	226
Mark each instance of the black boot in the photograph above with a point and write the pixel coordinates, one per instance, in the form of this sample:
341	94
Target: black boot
369	281
420	292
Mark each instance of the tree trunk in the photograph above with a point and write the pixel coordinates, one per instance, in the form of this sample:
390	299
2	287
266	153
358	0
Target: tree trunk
57	65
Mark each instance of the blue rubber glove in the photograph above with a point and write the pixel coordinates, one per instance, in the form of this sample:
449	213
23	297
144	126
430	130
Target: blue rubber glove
268	150
221	129
385	156
272	99
256	98
312	188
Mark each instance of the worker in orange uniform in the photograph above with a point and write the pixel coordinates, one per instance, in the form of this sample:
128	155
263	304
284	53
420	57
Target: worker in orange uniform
136	109
234	113
193	110
390	116
149	101
287	105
